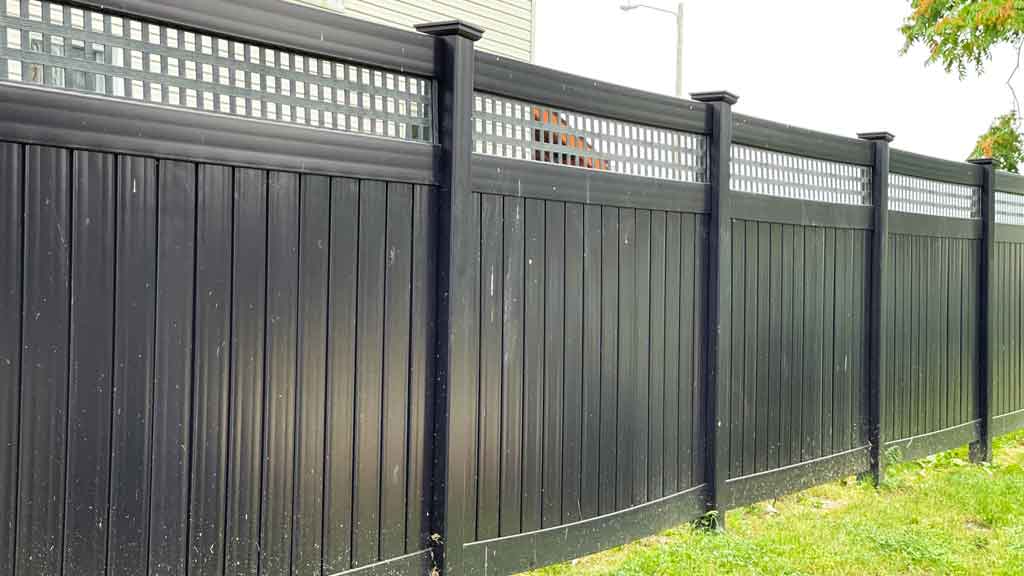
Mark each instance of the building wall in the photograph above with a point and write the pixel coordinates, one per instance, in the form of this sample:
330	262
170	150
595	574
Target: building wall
508	23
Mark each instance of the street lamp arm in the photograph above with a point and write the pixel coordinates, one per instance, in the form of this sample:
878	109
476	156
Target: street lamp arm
628	7
678	13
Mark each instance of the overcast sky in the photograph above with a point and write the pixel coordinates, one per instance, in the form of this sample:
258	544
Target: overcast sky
830	65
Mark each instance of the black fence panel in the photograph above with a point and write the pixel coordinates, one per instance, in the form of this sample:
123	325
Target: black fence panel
591	361
215	360
931	333
799	344
1008	350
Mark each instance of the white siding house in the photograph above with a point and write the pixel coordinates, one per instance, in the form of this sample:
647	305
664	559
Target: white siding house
508	23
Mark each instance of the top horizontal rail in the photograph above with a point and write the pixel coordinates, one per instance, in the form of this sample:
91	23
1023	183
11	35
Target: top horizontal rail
779	137
921	166
1009	183
287	25
538	85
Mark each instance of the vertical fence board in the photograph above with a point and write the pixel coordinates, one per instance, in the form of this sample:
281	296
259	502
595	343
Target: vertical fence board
889	401
813	357
934	314
787	345
44	378
575	288
1017	389
943	381
627	382
314	253
762	395
687	301
801	344
214	211
1005	275
963	310
341	357
249	321
592	367
491	293
900	358
862	374
829	343
609	356
953	321
421	372
911	344
554	362
469	421
282	262
398	275
894	400
844	345
672	383
11	214
656	476
909	382
640	414
750	346
738	347
772	331
512	368
1013	291
775	351
974	297
369	374
133	363
172	385
92	353
923	382
701	395
533	366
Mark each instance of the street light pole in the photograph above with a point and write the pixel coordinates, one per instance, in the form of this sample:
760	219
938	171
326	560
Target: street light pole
678	13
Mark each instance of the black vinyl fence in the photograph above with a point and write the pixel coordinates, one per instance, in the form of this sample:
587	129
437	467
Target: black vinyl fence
285	292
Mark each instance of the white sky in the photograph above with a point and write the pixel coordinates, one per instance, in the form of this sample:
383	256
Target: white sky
829	65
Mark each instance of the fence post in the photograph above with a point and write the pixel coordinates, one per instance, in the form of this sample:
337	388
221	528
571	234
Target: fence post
981	451
879	269
455	286
719	296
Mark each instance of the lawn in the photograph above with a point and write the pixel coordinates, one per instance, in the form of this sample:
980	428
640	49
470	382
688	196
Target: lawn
941	515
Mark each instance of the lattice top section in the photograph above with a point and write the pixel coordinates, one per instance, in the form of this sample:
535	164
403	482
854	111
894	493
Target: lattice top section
759	171
68	48
933	197
512	129
1009	208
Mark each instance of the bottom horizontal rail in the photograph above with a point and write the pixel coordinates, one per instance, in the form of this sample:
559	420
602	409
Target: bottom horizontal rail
521	552
421	562
1007	423
924	445
779	482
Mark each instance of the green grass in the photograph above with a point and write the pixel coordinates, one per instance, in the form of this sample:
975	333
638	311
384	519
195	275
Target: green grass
941	515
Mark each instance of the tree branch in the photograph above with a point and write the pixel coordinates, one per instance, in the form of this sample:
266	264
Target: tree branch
1009	81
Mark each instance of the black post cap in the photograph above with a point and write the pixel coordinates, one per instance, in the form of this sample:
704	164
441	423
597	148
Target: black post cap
876	136
715	96
981	161
452	28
